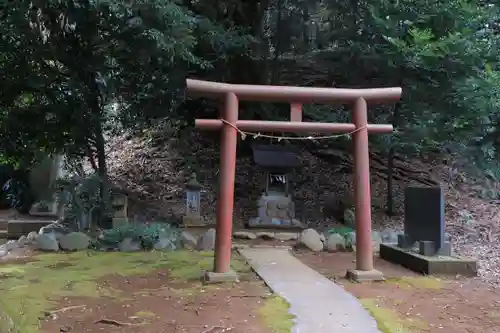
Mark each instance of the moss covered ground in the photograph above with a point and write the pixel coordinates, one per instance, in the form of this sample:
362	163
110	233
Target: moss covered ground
30	289
275	315
389	321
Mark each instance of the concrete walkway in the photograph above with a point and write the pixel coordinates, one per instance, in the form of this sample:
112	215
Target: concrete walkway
320	306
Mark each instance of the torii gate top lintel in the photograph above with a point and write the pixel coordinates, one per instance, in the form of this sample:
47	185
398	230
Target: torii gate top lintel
289	94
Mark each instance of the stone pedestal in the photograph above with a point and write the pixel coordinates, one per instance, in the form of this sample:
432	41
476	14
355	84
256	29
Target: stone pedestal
275	210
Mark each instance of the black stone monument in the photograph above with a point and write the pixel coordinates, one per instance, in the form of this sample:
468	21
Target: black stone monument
424	225
424	221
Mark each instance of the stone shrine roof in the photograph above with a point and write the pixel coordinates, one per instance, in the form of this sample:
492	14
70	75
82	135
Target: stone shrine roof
275	156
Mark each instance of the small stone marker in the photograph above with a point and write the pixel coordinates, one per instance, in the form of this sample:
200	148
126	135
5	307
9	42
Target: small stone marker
424	221
192	216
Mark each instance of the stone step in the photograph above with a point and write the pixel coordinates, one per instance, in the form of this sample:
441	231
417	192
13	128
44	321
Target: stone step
17	228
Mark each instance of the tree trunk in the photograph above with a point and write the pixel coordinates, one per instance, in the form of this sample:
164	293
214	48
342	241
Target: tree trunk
390	164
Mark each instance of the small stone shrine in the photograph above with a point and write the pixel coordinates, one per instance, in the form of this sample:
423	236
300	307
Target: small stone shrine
423	247
275	206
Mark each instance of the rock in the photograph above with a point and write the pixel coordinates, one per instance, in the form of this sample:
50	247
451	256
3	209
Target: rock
350	238
129	245
55	230
22	241
322	237
335	242
74	241
311	239
46	243
376	240
389	236
265	235
244	235
188	241
3	250
286	236
206	242
11	245
32	236
164	243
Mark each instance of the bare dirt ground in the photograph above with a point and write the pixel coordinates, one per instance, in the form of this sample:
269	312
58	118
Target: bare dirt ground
150	304
412	303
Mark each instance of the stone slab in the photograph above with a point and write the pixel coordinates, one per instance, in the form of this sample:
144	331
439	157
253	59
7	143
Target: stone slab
429	265
318	304
213	277
18	228
424	215
365	276
252	225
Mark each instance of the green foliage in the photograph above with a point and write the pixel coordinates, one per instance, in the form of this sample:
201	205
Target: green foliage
347	233
342	231
83	68
146	234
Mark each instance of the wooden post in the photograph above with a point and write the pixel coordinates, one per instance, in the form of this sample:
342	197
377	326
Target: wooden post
363	210
225	200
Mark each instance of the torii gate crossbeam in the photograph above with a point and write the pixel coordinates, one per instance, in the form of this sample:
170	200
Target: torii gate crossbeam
229	125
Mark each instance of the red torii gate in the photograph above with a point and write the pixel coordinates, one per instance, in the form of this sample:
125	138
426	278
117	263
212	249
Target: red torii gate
296	96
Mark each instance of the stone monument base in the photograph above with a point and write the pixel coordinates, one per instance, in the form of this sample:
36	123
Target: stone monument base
365	276
258	223
428	265
275	210
213	277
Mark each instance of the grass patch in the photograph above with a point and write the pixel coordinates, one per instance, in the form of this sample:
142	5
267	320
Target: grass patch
275	315
24	301
418	282
145	314
388	321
